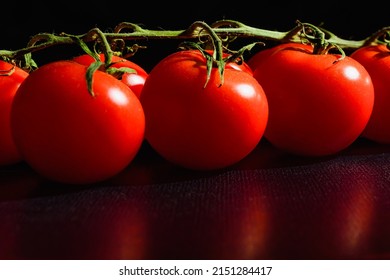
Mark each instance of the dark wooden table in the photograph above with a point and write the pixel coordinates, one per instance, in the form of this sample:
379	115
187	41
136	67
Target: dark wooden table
271	205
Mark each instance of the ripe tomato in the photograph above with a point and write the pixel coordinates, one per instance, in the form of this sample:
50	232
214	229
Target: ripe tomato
198	126
317	106
9	83
376	59
70	136
260	56
134	81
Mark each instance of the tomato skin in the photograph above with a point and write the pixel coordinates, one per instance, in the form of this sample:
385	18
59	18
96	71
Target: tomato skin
376	59
317	106
69	136
243	66
134	81
201	127
9	153
261	55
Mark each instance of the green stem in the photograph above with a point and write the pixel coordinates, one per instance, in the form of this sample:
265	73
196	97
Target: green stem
375	38
221	28
106	45
217	46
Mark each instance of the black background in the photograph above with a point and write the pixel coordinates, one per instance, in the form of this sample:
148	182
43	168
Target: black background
21	21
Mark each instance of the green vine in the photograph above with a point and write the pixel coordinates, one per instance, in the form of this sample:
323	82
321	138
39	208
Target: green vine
221	33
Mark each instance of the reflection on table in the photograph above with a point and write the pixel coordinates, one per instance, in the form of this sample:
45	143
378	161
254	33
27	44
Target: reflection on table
269	206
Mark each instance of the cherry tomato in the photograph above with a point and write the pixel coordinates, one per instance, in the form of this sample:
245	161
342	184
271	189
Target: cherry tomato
319	104
376	59
134	81
260	56
10	79
69	135
201	125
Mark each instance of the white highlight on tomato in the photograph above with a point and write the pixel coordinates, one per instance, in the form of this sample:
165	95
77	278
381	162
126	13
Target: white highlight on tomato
246	90
134	79
118	97
351	72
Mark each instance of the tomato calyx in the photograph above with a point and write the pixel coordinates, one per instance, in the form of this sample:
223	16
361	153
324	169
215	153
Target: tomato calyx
214	58
215	52
98	64
218	58
317	38
26	63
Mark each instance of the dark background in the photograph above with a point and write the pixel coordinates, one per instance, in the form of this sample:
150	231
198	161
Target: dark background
20	22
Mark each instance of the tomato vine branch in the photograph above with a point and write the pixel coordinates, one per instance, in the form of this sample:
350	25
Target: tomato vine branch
222	28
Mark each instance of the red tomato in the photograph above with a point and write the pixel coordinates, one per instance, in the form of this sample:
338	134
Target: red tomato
317	106
198	126
134	81
260	56
9	83
376	59
70	136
